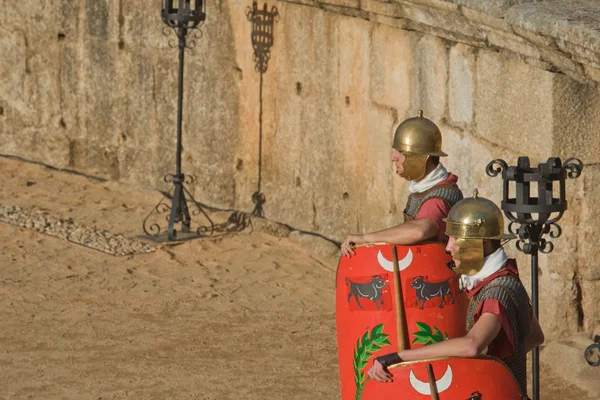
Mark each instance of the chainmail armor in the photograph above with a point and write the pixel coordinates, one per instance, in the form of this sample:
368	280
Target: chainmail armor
509	291
451	194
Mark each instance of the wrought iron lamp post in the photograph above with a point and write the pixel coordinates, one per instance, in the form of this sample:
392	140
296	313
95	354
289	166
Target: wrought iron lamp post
182	16
536	215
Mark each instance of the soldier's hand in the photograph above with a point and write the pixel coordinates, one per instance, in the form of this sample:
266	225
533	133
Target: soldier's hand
349	243
379	372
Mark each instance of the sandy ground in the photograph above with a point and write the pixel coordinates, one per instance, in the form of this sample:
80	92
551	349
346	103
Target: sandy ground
245	316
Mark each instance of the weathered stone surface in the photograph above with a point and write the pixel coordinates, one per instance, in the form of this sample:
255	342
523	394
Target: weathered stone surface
504	111
567	361
485	19
590	253
97	18
451	21
392	67
573	20
590	300
461	84
576	114
439	4
342	3
13	95
379	7
513	43
497	8
432	69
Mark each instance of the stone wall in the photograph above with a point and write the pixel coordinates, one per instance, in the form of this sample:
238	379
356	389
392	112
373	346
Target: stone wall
91	85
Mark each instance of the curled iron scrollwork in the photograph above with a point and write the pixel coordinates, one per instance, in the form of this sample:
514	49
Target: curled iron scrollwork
554	230
153	229
574	166
546	246
495	167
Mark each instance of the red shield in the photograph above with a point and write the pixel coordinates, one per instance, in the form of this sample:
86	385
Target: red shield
483	378
434	306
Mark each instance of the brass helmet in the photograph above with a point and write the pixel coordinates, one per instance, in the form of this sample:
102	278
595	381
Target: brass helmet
470	222
417	139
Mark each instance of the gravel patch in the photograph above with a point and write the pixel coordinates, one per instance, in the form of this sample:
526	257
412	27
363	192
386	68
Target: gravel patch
66	229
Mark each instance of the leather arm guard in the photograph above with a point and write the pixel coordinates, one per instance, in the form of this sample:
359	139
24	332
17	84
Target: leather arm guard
389	359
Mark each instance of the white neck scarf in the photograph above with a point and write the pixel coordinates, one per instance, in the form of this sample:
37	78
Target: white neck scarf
436	176
491	264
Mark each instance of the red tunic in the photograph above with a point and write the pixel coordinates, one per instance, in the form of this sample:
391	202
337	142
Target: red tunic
437	209
503	344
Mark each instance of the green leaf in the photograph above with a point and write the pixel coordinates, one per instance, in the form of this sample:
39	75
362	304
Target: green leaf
436	332
422	335
366	346
423	327
377	330
446	336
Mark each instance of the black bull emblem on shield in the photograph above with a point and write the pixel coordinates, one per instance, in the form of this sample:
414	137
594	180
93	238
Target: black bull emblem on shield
370	290
427	290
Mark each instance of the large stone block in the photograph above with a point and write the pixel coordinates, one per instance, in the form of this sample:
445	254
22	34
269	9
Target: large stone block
13	69
431	77
468	157
576	111
590	301
95	156
505	112
392	68
461	84
589	251
45	144
380	192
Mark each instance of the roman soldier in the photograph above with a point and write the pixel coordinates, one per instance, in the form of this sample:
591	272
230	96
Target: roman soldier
499	320
417	148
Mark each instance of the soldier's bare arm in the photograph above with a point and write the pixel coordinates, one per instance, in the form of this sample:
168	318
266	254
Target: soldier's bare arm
479	337
408	233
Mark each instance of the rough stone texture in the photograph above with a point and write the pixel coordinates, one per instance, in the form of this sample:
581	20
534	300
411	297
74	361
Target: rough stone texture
505	111
575	21
571	368
71	231
461	86
496	8
92	86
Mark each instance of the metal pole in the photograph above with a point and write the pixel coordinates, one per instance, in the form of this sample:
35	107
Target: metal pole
534	299
179	210
181	34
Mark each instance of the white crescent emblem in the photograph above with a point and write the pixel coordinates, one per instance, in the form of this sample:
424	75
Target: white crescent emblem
389	266
423	387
